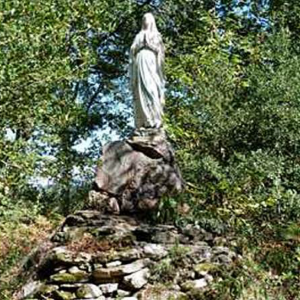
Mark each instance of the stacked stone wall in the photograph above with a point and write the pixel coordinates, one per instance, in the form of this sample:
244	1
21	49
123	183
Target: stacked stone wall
104	257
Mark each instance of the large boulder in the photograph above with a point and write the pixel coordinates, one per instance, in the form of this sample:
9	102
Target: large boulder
135	174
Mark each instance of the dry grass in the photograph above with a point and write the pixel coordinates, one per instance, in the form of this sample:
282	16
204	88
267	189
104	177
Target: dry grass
18	238
90	244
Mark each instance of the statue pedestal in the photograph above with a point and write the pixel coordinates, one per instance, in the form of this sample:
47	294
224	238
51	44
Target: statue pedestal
102	256
135	174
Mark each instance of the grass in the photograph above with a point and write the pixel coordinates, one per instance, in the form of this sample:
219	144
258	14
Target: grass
21	229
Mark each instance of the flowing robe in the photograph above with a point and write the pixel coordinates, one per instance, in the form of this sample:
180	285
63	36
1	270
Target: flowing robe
147	79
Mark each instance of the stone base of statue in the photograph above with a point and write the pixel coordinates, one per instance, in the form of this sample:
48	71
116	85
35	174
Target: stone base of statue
135	174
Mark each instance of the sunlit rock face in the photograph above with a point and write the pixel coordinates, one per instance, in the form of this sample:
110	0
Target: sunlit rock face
135	174
97	256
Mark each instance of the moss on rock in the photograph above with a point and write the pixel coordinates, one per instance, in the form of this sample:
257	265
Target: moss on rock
80	276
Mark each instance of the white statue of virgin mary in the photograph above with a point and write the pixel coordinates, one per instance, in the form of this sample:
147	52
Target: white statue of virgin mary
147	79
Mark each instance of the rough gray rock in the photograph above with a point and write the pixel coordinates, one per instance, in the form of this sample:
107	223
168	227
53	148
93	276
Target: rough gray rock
88	291
109	288
30	288
137	280
107	274
135	174
69	278
194	285
155	251
122	293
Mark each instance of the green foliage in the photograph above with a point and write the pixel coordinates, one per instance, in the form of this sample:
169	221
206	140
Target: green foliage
235	125
232	113
168	267
48	53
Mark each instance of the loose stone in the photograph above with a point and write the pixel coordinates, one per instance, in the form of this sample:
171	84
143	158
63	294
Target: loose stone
116	272
208	278
194	284
222	259
137	280
71	286
74	270
31	288
108	288
155	251
68	278
122	293
113	264
204	268
61	295
88	291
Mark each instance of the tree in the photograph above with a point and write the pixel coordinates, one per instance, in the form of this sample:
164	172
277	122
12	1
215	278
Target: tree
48	53
60	62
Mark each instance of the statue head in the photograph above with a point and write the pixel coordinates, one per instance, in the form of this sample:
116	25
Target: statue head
148	22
